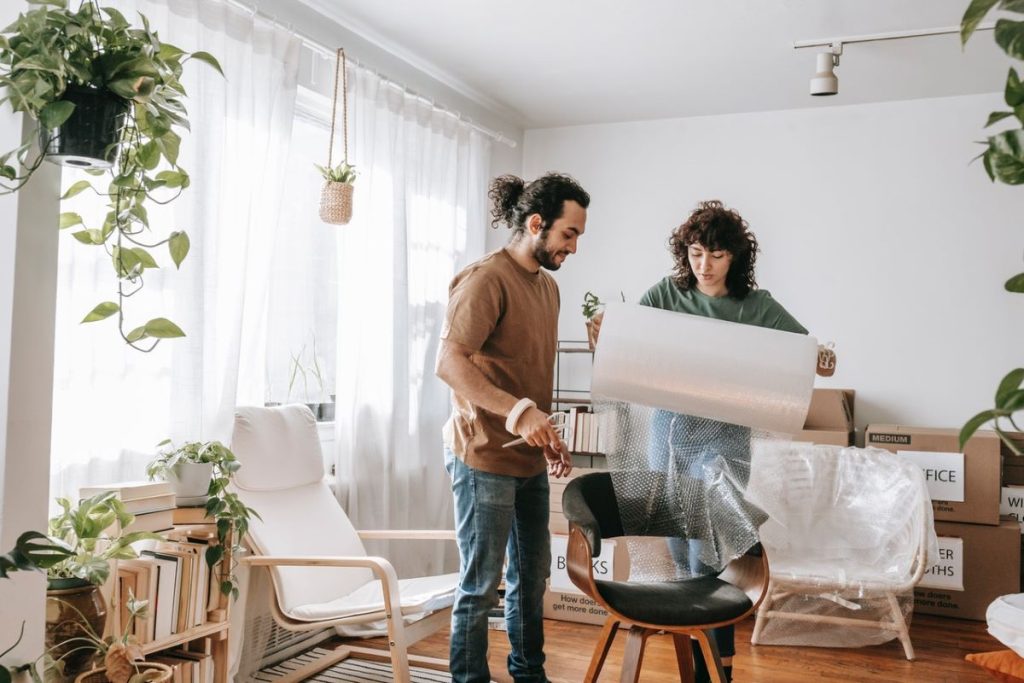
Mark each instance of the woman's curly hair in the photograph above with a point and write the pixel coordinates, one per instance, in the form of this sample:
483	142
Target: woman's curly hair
715	228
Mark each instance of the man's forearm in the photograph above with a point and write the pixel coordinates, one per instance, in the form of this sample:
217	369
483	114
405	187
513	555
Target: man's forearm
458	372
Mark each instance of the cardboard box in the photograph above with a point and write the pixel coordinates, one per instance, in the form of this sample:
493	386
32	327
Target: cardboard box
976	564
1011	504
964	487
565	602
829	418
1013	464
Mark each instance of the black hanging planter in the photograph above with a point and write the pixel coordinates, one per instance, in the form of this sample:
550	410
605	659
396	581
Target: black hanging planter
89	137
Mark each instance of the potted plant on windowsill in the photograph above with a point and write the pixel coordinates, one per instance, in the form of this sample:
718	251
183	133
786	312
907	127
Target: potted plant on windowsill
223	506
105	94
92	532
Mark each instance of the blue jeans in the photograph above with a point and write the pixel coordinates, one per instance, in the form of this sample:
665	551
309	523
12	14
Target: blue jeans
497	515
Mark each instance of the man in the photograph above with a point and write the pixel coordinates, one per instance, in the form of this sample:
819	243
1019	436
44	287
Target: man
497	354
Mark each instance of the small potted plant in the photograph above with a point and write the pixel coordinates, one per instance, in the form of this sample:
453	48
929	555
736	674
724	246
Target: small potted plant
591	307
223	506
91	531
188	468
336	196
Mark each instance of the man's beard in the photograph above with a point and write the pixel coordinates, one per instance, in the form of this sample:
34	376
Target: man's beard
544	257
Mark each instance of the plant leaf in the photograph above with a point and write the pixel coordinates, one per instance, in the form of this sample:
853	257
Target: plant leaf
974	424
162	328
1010	37
145	258
1010	383
77	188
1014	93
137	334
976	11
1015	284
178	245
69	219
209	59
56	113
997	116
101	312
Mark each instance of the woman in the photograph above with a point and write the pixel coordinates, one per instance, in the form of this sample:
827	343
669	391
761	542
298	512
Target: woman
715	254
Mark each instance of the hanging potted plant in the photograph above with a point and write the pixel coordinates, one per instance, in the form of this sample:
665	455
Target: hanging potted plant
105	95
338	190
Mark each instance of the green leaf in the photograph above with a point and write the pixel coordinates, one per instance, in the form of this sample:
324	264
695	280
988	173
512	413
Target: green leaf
1014	93
101	312
208	59
69	219
173	178
976	11
974	424
8	172
1012	6
1010	37
148	155
137	334
1015	284
1010	383
77	188
1013	401
179	245
84	236
214	554
169	52
162	328
55	114
125	261
997	116
170	145
145	258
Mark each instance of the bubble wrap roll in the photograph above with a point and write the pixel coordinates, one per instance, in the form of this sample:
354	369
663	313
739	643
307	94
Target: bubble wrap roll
740	374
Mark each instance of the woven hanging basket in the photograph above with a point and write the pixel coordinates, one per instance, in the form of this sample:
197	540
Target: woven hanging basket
336	203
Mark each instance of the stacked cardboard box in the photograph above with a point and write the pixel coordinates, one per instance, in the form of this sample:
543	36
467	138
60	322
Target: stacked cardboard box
1011	501
979	551
829	418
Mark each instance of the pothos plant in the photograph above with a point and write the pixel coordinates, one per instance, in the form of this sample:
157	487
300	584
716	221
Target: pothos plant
53	49
1003	160
224	506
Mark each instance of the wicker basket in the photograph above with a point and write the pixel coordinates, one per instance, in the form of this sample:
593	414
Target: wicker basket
100	675
336	203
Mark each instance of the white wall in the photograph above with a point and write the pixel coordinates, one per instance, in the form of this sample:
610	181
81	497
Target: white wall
876	233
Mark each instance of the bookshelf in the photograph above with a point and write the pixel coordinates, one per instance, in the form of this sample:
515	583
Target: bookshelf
210	637
573	363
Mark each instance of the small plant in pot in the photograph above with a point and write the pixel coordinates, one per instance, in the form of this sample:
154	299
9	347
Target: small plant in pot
592	305
92	533
106	95
337	193
223	506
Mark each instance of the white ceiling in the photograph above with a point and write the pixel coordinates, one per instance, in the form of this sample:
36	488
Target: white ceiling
548	63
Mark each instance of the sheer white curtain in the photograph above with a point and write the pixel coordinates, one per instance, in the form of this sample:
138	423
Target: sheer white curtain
419	217
113	404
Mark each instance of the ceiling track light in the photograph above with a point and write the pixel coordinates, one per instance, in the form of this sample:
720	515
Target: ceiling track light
825	82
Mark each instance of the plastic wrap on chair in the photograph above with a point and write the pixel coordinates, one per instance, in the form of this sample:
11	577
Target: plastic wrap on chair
849	531
681	477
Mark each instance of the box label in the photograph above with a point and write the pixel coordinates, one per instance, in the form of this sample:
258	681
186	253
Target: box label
560	580
947	571
944	473
899	439
1012	503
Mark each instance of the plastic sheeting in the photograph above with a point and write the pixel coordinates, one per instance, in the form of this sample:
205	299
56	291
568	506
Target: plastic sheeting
848	535
736	374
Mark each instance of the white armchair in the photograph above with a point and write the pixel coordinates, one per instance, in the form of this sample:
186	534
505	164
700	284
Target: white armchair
321	573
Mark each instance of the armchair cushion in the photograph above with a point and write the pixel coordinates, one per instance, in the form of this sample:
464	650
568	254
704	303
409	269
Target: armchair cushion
419	596
265	436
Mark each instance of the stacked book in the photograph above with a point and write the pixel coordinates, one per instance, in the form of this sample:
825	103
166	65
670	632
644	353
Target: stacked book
187	666
152	503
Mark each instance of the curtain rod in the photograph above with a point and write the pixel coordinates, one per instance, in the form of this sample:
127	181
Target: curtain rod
331	53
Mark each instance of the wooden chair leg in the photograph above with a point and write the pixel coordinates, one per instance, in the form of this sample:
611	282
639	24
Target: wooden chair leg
684	657
901	626
399	647
633	657
709	648
611	627
762	615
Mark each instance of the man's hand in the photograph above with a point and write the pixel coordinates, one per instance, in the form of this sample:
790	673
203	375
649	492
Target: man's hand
535	427
559	461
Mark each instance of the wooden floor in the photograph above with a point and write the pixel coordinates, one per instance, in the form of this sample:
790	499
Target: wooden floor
940	645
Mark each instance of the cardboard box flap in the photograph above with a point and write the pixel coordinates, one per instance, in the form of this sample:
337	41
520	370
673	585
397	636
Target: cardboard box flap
830	410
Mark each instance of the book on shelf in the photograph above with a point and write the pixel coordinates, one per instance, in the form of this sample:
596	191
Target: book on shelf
165	607
156	521
146	583
140	506
191	515
129	490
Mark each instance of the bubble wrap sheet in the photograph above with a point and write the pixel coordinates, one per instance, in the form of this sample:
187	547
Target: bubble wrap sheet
849	530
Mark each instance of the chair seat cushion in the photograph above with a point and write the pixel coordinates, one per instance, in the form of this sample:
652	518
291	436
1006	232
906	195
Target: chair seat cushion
684	602
419	596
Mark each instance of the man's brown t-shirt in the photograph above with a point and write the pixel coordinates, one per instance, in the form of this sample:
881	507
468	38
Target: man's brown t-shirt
509	317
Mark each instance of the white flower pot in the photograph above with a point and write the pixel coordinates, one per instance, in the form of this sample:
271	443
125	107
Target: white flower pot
191	481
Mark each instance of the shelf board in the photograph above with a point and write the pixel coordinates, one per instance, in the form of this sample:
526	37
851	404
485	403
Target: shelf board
206	630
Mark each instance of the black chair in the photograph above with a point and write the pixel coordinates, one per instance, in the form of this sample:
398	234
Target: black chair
686	608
